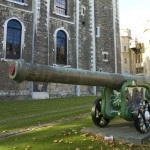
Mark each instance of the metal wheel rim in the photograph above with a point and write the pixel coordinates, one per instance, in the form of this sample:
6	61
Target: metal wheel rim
96	114
141	124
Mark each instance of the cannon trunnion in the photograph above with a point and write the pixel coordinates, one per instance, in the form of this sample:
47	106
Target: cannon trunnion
125	96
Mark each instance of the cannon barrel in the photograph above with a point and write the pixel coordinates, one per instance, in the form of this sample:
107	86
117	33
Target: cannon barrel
20	71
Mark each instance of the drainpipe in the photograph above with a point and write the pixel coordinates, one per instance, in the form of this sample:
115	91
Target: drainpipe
48	32
93	39
114	28
77	42
34	4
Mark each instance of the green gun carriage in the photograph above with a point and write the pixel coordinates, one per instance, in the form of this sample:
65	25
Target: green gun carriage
122	95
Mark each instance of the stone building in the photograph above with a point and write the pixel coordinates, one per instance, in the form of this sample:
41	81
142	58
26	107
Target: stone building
126	52
82	34
132	54
146	56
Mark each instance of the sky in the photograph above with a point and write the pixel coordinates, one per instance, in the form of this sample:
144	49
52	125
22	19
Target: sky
134	15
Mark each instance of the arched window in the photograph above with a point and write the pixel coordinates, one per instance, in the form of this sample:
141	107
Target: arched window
13	39
61	7
61	47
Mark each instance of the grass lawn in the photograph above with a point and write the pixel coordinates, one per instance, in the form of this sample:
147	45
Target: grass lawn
18	115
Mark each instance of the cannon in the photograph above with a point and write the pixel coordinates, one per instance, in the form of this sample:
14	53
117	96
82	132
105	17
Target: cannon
122	95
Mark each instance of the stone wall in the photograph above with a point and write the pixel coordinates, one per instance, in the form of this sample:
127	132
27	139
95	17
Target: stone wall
85	50
23	13
105	42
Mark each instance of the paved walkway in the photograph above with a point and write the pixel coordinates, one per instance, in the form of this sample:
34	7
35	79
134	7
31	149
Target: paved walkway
120	131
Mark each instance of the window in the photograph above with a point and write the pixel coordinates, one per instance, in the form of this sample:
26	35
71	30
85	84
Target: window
61	48
105	56
21	1
139	70
97	31
13	39
125	48
82	10
125	61
138	58
61	7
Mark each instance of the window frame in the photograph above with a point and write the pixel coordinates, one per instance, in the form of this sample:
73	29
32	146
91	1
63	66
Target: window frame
105	56
83	9
55	44
22	45
98	31
59	14
19	3
125	48
58	37
13	35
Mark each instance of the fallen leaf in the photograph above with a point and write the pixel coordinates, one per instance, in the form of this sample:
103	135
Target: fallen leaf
28	146
34	138
85	135
90	147
55	141
130	145
60	141
120	142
